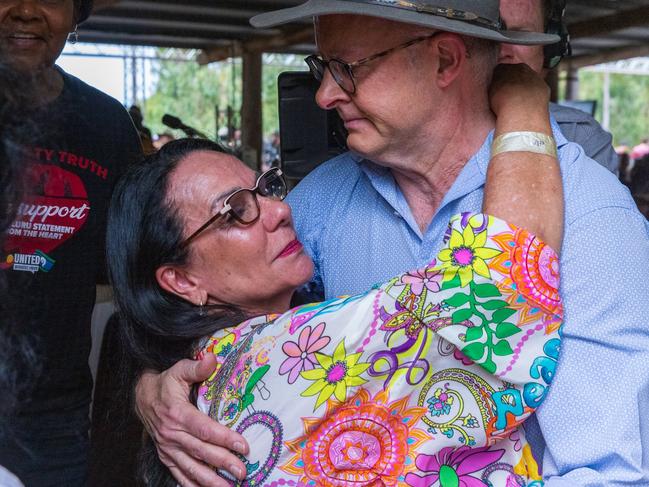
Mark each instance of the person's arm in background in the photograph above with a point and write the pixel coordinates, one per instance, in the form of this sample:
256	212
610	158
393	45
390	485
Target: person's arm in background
581	128
187	439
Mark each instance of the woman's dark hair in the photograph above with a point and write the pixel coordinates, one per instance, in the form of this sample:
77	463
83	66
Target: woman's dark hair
145	231
17	358
83	9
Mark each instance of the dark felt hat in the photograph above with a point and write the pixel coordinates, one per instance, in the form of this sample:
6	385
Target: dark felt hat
476	18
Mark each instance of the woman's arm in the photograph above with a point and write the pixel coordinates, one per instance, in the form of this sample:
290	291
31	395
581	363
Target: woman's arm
524	188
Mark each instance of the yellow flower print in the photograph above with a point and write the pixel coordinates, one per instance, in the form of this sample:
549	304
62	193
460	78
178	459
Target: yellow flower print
335	374
466	254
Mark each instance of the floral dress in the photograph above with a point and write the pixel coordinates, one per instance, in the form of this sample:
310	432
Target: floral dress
422	381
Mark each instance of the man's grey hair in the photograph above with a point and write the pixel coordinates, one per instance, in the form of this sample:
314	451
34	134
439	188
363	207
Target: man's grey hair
483	56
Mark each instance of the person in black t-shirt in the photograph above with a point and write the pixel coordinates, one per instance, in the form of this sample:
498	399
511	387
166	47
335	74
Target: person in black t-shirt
54	253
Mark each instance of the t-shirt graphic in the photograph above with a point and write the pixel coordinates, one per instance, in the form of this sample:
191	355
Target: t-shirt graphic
56	209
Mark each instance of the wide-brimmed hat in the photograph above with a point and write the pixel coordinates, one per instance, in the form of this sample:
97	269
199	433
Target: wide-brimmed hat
476	18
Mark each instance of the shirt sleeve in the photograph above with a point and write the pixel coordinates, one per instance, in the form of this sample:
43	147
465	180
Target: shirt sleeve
500	283
594	421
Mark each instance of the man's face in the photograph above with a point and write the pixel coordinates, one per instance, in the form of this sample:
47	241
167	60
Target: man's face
394	93
527	16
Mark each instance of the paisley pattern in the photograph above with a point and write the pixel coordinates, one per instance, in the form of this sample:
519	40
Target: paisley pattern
423	381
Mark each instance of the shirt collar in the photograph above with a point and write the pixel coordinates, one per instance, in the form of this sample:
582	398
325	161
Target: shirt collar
472	177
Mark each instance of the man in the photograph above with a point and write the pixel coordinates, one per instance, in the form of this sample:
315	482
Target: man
576	125
412	91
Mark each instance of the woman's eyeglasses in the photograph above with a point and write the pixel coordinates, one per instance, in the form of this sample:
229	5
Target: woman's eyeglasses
243	205
343	73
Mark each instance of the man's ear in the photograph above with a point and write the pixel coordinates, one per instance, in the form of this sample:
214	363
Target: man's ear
452	54
177	281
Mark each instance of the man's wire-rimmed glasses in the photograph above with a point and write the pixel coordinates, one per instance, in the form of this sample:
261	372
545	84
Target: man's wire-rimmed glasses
243	205
343	73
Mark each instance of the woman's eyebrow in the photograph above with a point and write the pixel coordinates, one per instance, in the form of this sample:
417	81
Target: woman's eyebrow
218	199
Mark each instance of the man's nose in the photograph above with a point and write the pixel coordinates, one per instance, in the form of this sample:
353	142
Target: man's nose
330	94
506	54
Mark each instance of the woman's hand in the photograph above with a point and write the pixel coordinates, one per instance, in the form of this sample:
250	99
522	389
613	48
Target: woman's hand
187	440
519	97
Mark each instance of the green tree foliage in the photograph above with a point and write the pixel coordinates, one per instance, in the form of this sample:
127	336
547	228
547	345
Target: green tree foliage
192	92
629	106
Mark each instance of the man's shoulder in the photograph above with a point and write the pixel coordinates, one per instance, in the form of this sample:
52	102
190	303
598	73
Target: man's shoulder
588	186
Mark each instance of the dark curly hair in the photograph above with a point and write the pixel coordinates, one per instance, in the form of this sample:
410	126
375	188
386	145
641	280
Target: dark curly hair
83	9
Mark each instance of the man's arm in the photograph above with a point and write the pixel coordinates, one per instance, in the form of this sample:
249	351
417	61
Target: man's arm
187	440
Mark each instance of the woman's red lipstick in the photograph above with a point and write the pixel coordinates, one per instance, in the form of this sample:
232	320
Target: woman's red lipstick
293	247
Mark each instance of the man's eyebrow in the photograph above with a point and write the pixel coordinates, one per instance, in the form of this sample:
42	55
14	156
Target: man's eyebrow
218	199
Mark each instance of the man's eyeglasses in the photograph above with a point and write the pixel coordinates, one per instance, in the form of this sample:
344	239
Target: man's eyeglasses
343	73
243	205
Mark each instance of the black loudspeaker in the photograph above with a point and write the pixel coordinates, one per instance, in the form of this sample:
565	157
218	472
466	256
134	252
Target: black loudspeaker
555	24
309	135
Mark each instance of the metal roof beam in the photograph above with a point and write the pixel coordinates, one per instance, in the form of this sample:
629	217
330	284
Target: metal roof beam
213	27
606	25
148	39
181	8
607	56
272	44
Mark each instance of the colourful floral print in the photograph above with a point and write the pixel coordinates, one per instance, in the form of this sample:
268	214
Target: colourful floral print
335	375
466	254
426	379
453	467
428	278
369	441
301	355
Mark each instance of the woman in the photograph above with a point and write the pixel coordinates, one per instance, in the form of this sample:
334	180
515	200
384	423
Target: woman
54	253
426	378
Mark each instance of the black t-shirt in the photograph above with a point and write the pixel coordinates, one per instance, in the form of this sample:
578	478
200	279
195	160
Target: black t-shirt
54	253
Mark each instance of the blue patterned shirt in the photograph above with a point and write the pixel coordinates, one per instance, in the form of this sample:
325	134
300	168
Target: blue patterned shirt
593	429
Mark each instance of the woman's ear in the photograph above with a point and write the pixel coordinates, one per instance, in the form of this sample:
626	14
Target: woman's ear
177	281
452	53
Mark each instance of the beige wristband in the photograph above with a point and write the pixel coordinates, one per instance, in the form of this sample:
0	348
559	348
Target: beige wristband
536	142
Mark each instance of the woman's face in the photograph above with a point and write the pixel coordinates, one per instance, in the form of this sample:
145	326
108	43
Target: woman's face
255	267
34	32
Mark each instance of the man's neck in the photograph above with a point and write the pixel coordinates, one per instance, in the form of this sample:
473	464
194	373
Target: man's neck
427	172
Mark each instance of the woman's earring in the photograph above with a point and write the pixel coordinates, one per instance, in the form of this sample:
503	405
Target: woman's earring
73	37
201	312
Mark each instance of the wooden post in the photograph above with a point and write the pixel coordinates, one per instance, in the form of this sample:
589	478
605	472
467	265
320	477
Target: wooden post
606	105
572	83
251	136
552	79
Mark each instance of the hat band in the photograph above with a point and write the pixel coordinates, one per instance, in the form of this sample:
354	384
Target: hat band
449	13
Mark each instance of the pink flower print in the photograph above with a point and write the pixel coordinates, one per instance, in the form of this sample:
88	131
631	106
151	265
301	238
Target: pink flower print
452	466
428	278
301	355
462	358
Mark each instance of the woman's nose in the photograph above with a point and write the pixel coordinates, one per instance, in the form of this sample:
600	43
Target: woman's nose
330	94
274	213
